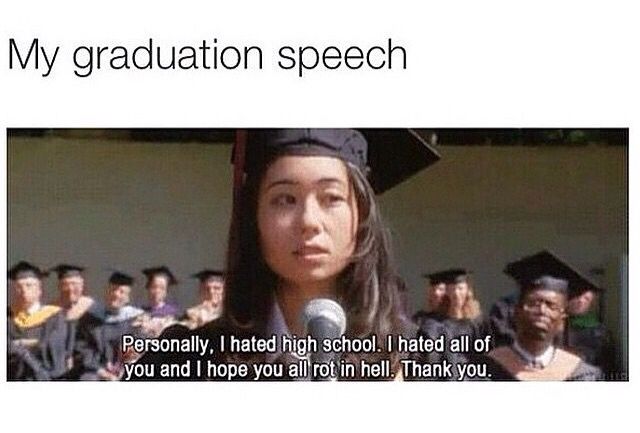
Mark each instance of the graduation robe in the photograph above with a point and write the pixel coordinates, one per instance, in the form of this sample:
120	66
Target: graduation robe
504	364
72	317
44	360
99	339
501	321
590	339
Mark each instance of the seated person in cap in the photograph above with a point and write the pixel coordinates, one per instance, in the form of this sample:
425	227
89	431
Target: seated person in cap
307	226
211	290
36	333
160	312
100	331
585	335
539	319
436	290
458	314
71	291
74	305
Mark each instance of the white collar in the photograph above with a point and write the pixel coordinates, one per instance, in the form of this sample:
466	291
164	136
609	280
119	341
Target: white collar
540	361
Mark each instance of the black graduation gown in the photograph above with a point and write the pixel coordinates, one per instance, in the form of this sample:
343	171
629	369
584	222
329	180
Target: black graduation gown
98	342
154	362
582	372
44	361
593	345
422	317
501	322
72	354
434	325
71	351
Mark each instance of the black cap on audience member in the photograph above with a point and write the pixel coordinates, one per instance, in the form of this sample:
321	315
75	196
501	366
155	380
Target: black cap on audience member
160	271
578	284
205	274
120	279
387	156
542	270
24	269
449	276
64	270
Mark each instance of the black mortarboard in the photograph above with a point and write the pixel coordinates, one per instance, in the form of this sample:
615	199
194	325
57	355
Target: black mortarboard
64	270
25	269
579	284
160	270
120	279
545	270
389	156
205	274
449	276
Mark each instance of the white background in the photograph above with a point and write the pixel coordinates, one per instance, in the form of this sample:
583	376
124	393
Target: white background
470	64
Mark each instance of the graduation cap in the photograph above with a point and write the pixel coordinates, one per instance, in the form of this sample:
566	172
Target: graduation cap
24	269
120	279
388	156
545	270
205	274
579	284
162	271
449	276
64	270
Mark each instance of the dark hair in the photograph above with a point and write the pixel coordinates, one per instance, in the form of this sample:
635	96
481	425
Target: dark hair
367	289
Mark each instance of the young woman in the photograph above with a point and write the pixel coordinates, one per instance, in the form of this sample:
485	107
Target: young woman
160	313
159	280
308	226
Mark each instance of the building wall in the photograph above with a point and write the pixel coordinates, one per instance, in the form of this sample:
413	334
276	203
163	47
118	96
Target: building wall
481	207
127	205
109	204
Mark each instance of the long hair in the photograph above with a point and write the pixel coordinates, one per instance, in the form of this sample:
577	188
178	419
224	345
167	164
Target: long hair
471	309
367	288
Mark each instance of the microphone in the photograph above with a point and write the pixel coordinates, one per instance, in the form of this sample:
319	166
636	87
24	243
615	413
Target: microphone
323	319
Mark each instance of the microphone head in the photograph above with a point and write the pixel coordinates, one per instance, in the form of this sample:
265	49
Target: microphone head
325	309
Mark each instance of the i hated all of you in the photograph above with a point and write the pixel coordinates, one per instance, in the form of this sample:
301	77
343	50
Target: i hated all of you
88	59
302	347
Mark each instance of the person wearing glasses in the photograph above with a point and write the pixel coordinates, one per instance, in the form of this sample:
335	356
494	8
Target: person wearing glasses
540	315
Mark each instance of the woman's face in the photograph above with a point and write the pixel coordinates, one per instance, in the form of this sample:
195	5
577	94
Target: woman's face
307	218
158	287
458	294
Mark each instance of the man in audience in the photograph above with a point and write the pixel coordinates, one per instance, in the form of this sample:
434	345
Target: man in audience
74	304
539	315
211	290
100	331
36	332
